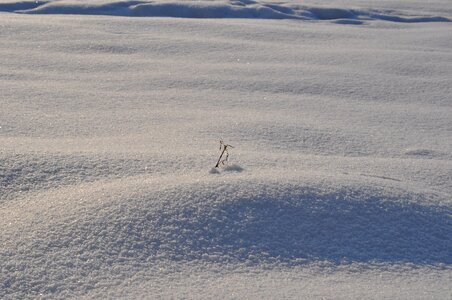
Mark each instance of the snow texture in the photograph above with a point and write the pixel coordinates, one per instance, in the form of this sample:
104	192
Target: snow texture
214	9
339	184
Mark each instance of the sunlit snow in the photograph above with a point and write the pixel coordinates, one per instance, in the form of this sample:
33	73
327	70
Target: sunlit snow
338	185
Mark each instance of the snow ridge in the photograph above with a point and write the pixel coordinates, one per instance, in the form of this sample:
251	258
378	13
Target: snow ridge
214	9
113	226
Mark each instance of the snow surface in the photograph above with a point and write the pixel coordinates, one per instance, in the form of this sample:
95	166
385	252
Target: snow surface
339	184
214	9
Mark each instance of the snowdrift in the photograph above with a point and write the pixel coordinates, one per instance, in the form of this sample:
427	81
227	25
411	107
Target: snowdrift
214	9
115	226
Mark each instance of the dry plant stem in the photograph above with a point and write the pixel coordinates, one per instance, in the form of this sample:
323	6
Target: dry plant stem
225	149
221	155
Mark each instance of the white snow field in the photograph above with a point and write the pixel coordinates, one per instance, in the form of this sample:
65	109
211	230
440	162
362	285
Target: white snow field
339	185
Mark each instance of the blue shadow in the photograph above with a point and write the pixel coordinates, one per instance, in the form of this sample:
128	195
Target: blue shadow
326	228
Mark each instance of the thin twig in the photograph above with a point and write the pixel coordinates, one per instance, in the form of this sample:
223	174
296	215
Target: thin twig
225	150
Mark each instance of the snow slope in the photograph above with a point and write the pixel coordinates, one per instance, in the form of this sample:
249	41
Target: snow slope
338	186
214	9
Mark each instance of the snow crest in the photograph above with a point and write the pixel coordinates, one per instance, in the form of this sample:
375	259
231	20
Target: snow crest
247	9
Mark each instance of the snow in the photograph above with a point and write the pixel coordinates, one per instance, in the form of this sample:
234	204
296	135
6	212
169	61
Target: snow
338	186
213	9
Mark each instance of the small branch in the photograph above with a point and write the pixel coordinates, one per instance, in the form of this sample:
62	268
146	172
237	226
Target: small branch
224	150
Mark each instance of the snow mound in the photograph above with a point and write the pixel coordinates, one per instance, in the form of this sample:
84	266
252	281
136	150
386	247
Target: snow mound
214	9
22	173
77	236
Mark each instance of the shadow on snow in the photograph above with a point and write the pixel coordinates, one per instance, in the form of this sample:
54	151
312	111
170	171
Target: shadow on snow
316	228
247	9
